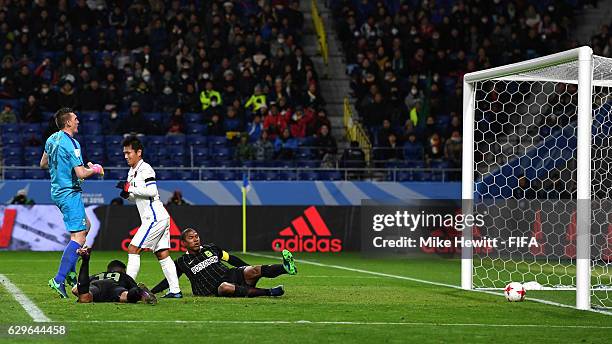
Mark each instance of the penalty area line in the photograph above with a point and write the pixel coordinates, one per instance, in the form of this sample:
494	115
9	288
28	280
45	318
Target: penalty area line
418	280
33	311
349	323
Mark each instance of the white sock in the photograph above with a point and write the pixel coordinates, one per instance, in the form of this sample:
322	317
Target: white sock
133	265
169	270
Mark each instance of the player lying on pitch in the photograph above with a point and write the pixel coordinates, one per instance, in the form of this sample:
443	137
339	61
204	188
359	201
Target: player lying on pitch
113	285
202	263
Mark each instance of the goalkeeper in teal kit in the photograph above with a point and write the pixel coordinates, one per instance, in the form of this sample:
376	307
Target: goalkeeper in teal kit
63	157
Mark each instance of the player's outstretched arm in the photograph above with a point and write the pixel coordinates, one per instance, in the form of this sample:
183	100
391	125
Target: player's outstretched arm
83	281
233	260
44	161
83	173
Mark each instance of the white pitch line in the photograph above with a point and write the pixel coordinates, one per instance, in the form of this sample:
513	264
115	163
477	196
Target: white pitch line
364	323
418	280
33	311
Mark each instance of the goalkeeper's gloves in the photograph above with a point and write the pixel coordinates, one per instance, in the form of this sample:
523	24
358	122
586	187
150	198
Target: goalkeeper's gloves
97	168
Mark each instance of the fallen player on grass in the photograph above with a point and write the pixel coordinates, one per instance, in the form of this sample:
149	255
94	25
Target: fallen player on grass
203	265
113	285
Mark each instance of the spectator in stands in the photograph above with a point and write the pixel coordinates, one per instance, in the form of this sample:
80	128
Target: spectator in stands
7	116
45	71
231	122
176	123
255	128
415	96
353	157
257	100
215	127
176	199
67	96
188	99
452	149
22	198
312	97
374	112
47	98
67	70
392	150
299	122
325	144
407	130
92	97
264	149
167	99
384	132
454	125
318	122
430	126
285	145
24	81
433	148
112	123
135	121
30	112
209	97
244	150
274	122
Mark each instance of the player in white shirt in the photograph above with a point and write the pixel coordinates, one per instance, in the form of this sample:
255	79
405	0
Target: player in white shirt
154	231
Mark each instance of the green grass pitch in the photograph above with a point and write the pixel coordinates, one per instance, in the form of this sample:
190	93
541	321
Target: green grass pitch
322	304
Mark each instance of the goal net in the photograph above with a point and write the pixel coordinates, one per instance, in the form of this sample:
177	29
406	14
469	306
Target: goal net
538	166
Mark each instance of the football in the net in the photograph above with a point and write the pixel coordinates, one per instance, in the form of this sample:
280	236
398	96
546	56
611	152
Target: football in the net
514	292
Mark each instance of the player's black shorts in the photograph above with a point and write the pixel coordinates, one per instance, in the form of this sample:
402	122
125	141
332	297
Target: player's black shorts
235	276
106	291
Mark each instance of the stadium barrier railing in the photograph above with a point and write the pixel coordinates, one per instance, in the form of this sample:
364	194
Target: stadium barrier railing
355	131
320	31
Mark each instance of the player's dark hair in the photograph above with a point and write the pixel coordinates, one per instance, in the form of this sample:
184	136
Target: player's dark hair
62	116
133	295
134	142
185	232
115	266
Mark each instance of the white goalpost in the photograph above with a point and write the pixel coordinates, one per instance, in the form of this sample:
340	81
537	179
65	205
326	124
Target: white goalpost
537	163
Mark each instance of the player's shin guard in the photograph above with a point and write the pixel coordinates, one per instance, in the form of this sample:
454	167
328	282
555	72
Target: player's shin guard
272	271
133	265
69	259
169	270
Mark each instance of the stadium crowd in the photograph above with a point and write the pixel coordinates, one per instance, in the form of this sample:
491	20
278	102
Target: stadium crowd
227	81
230	70
406	60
